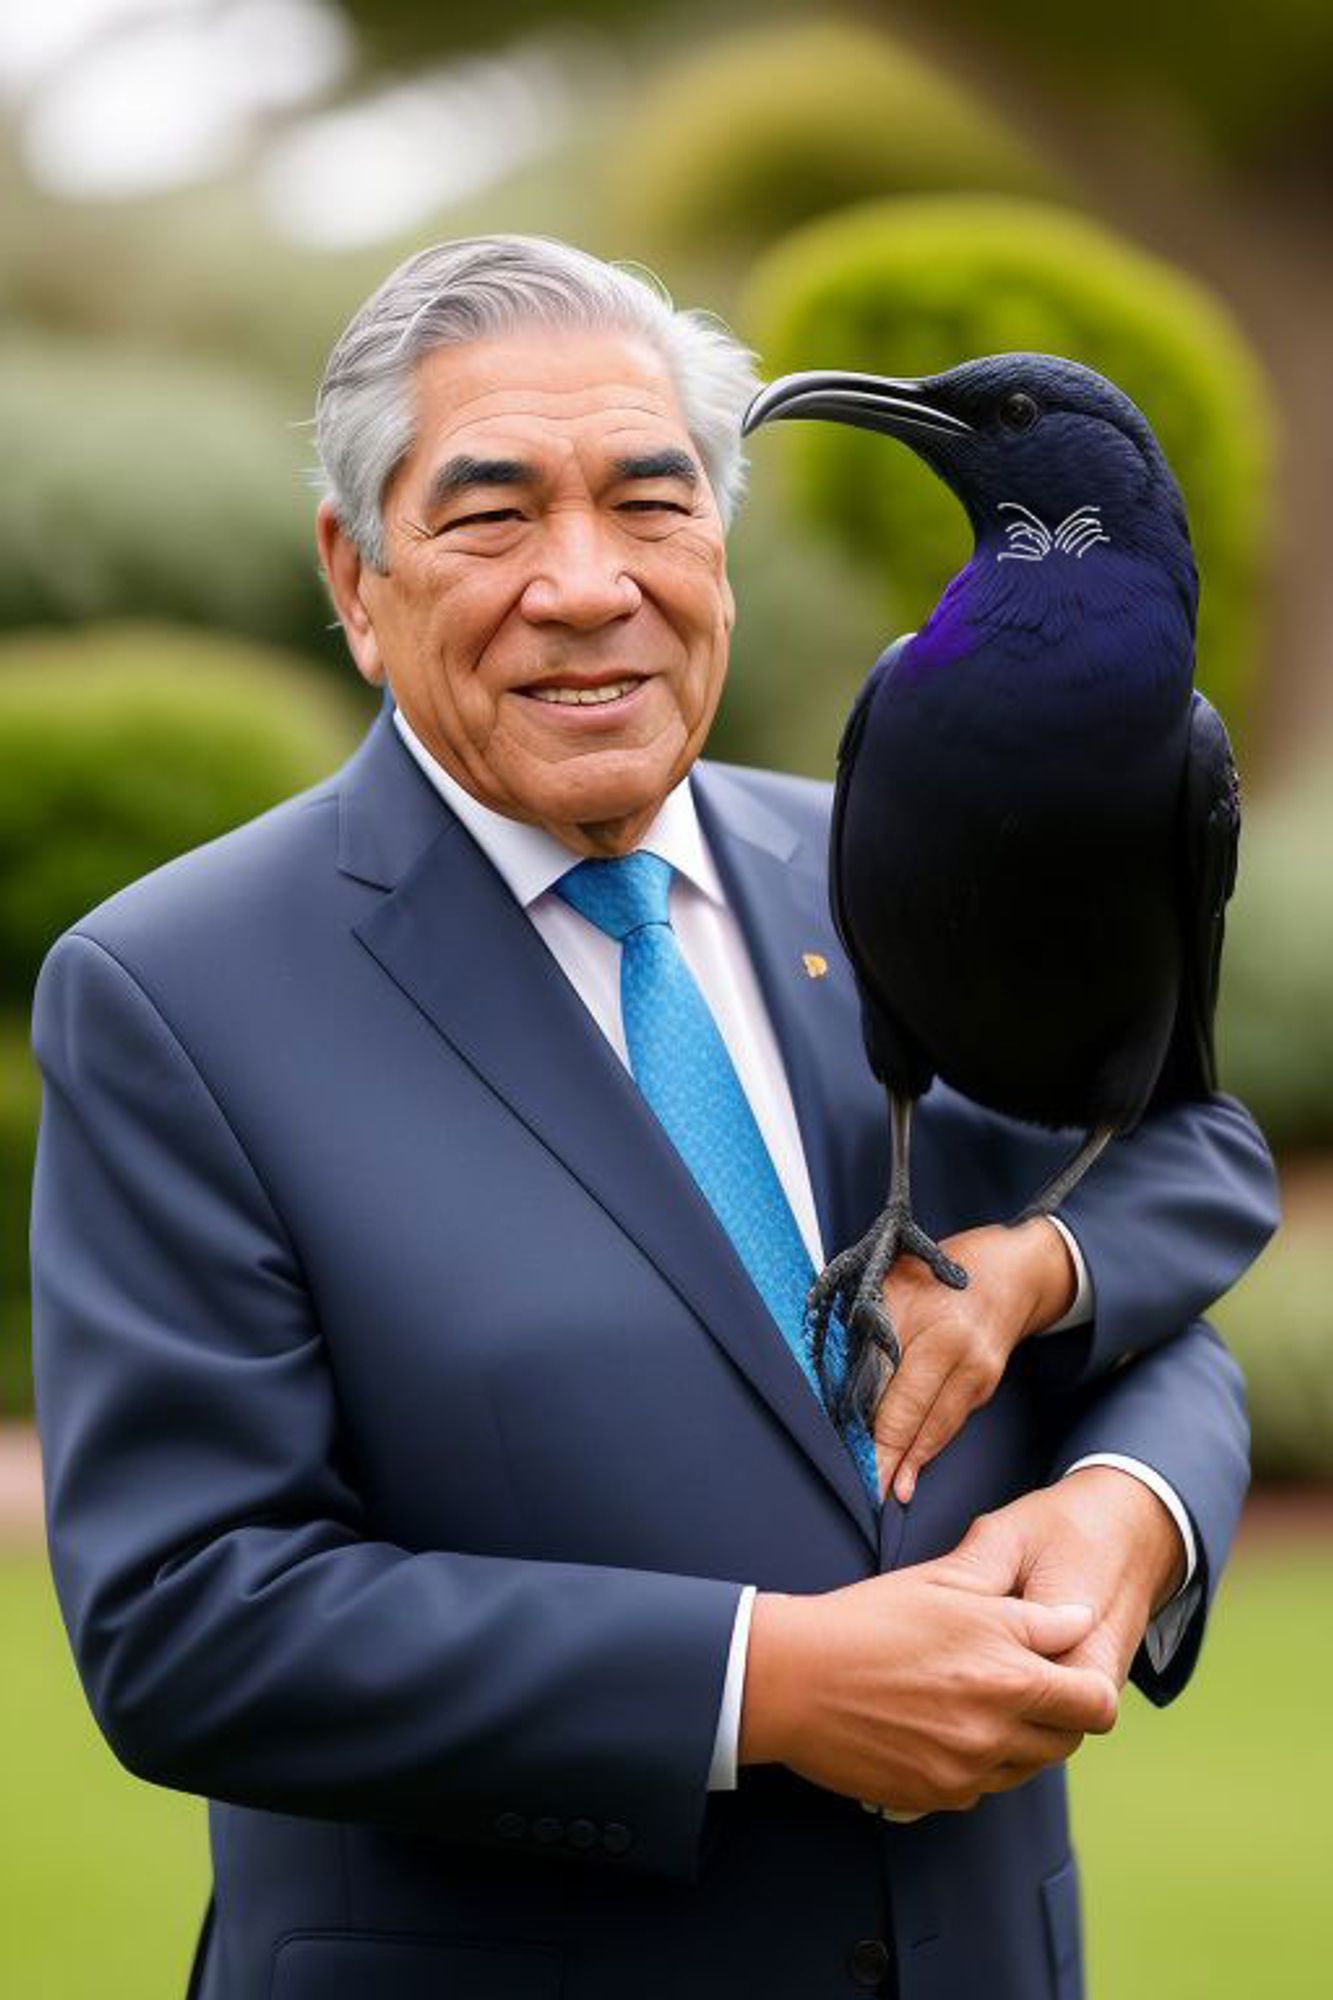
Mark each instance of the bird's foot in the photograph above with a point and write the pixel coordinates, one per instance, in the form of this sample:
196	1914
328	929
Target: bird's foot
852	1287
914	1242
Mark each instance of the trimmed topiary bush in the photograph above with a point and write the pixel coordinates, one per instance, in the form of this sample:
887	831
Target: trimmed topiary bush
1277	1323
1275	1021
124	747
150	486
911	287
121	748
741	140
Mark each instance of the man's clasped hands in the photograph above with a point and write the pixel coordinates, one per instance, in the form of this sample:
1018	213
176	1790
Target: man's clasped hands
923	1689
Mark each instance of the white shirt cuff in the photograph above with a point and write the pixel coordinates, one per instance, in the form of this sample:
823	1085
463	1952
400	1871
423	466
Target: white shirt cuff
722	1771
1081	1309
1166	1630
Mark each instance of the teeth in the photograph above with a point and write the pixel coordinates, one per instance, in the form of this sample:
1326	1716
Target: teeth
584	697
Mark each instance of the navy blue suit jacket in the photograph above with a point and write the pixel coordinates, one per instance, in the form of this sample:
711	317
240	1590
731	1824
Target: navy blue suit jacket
410	1427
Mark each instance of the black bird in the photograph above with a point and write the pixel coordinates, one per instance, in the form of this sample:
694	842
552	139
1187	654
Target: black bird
1036	816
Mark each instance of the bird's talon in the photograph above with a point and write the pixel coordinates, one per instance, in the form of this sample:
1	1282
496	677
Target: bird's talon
917	1244
869	1314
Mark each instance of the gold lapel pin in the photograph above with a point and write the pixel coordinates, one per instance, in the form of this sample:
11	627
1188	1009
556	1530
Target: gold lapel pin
816	965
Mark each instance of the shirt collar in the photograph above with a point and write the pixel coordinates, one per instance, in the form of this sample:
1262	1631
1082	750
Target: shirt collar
531	860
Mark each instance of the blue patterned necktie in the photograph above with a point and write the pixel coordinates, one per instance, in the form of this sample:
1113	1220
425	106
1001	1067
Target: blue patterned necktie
680	1063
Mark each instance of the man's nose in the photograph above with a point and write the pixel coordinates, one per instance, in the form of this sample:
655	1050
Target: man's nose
581	578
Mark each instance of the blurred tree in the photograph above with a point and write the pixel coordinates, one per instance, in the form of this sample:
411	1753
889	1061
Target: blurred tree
397	32
1255	92
140	484
194	271
1261	94
910	287
202	271
739	140
123	746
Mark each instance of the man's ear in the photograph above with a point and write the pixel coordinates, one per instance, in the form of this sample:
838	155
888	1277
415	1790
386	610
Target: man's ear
344	568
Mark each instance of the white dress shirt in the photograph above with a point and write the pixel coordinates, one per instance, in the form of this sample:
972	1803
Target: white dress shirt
530	861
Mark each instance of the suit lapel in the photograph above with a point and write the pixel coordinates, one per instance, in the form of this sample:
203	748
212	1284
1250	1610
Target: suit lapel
450	934
777	889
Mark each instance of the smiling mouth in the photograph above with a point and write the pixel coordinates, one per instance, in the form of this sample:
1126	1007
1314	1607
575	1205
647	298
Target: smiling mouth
595	696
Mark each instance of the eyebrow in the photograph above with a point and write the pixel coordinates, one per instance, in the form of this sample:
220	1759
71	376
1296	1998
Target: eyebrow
461	472
669	463
457	474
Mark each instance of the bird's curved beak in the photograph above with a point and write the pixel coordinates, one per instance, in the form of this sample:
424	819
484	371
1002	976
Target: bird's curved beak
891	403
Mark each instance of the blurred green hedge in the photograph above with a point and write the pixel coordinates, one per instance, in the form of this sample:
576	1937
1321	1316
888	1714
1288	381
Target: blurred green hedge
759	130
1277	1322
123	746
912	287
195	271
1275	1021
147	485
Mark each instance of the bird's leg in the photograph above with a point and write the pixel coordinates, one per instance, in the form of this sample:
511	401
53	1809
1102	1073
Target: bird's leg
852	1286
1069	1176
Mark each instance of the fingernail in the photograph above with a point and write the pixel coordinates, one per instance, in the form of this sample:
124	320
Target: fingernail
905	1484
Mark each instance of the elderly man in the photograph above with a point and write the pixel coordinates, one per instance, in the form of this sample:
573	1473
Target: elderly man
433	1484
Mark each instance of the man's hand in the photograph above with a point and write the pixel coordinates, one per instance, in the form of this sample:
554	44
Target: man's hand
1098	1535
918	1693
956	1345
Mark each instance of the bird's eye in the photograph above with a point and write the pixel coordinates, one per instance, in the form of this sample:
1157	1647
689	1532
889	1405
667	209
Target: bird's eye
1018	411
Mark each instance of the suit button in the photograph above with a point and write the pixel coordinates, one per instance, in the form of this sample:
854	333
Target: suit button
868	1961
582	1833
615	1838
511	1825
547	1828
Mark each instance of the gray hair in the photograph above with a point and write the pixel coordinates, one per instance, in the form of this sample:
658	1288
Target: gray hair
481	286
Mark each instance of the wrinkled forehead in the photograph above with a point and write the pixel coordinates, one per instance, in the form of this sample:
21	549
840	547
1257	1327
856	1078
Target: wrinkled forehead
546	387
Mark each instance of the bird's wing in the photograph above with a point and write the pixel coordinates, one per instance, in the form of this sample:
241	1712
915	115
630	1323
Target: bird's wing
1208	844
894	1056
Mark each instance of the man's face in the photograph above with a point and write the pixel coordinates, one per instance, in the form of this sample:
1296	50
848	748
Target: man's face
556	615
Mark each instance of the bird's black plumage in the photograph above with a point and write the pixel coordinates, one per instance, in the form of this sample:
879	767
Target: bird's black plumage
1036	814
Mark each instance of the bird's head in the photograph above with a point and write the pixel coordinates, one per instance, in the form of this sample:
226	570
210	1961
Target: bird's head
1047	456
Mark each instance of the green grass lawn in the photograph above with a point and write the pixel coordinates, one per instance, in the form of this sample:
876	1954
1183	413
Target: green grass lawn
103	1880
1203	1828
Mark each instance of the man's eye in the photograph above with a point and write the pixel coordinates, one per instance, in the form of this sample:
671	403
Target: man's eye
673	506
470	520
